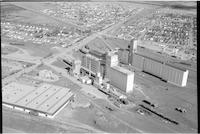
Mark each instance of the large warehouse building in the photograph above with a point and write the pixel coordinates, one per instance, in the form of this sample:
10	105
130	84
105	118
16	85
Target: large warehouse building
165	71
175	75
46	100
159	68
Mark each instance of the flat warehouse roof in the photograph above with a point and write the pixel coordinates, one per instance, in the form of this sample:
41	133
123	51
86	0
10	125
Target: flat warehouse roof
39	100
122	70
151	58
26	100
47	98
13	91
176	67
58	104
162	61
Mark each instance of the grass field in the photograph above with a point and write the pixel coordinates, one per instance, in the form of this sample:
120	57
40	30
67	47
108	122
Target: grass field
33	49
91	116
59	64
10	12
64	82
14	120
10	67
7	9
8	50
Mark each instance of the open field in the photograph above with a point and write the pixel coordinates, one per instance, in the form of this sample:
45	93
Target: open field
7	9
31	124
40	68
10	67
59	64
62	81
85	112
65	12
5	50
33	49
10	12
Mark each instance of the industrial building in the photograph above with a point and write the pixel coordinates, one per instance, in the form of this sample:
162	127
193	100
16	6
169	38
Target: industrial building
123	55
165	71
175	75
46	100
132	49
73	65
90	65
118	76
100	65
170	50
138	61
157	67
122	78
150	63
92	62
111	60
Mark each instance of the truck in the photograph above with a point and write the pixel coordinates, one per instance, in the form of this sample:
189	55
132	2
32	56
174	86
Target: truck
34	113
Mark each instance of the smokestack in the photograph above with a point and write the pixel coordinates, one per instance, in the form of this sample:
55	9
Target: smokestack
132	49
135	43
